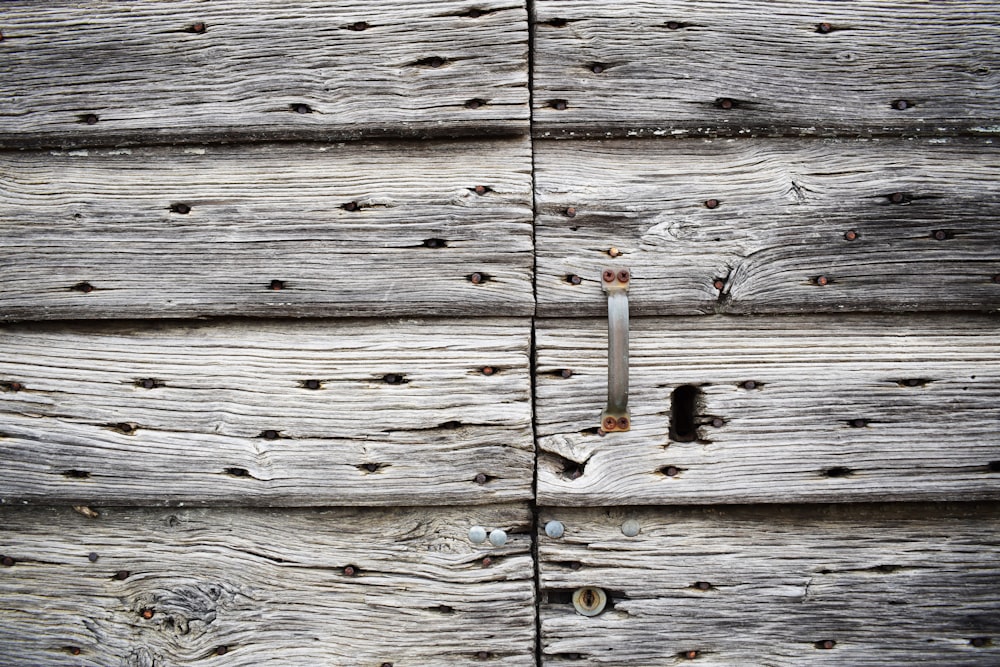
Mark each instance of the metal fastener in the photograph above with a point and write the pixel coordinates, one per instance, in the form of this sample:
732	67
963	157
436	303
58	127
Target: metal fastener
851	235
589	601
498	538
555	529
711	203
477	534
630	528
92	556
570	212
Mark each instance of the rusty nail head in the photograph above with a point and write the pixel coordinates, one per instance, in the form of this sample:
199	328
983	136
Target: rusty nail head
726	103
488	370
575	279
222	650
277	285
16	386
610	423
826	644
487	561
719	284
824	28
350	571
74	650
851	235
8	561
480	189
570	212
897	197
940	235
147	614
623	276
691	655
623	423
476	278
822	280
711	203
614	252
608	275
198	28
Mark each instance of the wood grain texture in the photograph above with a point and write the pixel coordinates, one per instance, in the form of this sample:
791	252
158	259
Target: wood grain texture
267	587
669	68
889	225
303	413
888	585
356	229
99	73
842	408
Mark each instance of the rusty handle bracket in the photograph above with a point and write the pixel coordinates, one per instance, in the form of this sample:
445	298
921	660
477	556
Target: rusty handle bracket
616	416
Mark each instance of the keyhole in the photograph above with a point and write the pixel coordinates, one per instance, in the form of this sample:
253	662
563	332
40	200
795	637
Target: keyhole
683	411
589	601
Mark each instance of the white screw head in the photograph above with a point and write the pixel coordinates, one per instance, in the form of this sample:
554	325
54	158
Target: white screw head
477	534
498	538
554	529
630	528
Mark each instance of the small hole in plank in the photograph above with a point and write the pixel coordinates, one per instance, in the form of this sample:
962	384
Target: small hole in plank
825	644
76	474
89	119
556	23
276	285
181	208
302	108
311	384
358	26
838	471
269	434
196	28
394	378
238	472
433	62
475	103
993	466
84	287
435	243
683	406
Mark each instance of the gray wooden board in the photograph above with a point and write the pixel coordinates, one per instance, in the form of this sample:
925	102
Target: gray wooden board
108	221
401	412
268	587
784	211
144	72
667	68
888	585
794	436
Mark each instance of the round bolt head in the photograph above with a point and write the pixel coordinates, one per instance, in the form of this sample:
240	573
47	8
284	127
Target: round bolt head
477	534
589	601
630	528
555	529
498	538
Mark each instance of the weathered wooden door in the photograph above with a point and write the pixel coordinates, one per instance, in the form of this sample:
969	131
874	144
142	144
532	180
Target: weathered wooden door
301	301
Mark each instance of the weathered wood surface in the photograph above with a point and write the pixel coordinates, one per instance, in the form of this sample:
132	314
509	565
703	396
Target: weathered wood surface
274	229
265	587
817	225
841	408
99	73
887	585
790	67
266	413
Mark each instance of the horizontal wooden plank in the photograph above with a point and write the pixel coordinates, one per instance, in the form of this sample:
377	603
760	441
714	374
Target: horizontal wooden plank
847	585
693	68
275	229
99	73
793	409
777	225
267	413
180	587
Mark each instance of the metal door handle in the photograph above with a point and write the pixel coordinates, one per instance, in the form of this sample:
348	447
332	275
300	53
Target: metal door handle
616	416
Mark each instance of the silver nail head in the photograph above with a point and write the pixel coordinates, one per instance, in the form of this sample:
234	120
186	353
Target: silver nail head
498	538
630	528
477	534
589	601
554	529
